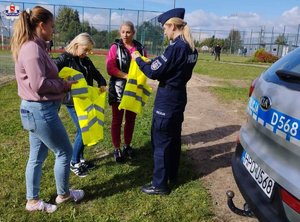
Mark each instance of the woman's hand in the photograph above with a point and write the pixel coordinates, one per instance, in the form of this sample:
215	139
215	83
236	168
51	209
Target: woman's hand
135	55
102	89
68	84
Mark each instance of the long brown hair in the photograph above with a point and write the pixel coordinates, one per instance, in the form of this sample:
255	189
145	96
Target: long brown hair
24	27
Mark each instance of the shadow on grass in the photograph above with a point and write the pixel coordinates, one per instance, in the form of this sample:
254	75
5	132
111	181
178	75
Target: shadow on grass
210	135
211	158
207	159
134	173
131	175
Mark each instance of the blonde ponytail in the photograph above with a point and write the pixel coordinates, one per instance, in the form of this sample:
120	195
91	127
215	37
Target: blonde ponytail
22	33
187	35
186	32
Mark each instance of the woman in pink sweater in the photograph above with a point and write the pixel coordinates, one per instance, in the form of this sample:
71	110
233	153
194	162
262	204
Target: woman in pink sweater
41	92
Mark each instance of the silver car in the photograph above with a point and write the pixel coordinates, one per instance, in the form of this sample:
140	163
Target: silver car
266	163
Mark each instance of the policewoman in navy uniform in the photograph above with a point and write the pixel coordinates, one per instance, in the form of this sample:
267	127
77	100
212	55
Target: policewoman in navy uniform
173	69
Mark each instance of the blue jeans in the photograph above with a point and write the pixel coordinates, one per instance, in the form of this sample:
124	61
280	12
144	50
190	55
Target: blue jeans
78	146
46	131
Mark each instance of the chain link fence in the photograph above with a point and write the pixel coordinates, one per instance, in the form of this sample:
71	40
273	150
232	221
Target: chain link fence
277	43
106	22
103	25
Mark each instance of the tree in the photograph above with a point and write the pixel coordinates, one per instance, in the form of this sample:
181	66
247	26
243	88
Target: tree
85	27
101	39
212	41
233	41
281	40
67	25
151	37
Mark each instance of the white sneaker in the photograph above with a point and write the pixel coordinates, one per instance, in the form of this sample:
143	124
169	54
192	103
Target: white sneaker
75	195
42	206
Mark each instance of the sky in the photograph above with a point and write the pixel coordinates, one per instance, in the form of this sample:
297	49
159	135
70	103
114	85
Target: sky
245	15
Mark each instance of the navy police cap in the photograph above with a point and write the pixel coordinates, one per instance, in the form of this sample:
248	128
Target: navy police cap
176	12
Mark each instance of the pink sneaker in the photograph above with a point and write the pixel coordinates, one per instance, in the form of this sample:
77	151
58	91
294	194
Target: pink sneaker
75	195
42	206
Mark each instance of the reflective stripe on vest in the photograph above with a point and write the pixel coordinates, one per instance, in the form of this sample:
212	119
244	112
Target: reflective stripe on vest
137	91
80	89
89	104
90	112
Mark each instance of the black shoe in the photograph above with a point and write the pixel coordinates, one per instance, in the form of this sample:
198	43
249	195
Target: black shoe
78	169
150	189
86	164
128	151
118	155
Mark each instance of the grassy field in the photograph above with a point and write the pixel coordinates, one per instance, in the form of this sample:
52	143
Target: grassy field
112	190
233	73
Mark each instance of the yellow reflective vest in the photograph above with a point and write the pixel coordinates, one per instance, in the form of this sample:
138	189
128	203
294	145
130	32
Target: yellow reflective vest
137	91
89	104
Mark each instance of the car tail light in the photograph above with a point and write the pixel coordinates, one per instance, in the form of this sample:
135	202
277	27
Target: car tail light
252	87
290	200
238	139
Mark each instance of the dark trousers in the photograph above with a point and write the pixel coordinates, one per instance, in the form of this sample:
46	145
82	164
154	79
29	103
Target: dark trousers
117	118
166	143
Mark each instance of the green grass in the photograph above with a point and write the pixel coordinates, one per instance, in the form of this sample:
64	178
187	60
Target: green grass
230	58
230	93
112	190
234	76
6	63
228	71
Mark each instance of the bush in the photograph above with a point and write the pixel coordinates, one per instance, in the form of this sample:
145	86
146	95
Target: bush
262	56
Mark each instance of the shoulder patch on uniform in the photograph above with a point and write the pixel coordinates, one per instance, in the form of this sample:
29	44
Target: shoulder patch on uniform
164	58
155	65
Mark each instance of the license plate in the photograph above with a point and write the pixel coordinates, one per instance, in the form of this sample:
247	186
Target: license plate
264	181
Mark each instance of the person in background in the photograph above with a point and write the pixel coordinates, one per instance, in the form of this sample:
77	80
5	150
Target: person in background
173	69
117	65
217	51
41	91
245	51
50	45
76	57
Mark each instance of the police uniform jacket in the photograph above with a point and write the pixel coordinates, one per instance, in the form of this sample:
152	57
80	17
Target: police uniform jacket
117	85
172	69
83	65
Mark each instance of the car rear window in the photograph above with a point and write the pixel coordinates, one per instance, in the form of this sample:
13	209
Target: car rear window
289	63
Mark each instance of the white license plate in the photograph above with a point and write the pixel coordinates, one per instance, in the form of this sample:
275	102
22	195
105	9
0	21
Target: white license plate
265	182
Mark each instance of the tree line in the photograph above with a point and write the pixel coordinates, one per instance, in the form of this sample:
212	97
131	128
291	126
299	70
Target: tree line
68	25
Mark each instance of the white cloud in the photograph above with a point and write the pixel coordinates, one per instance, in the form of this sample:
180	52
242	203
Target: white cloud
291	17
244	21
203	20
